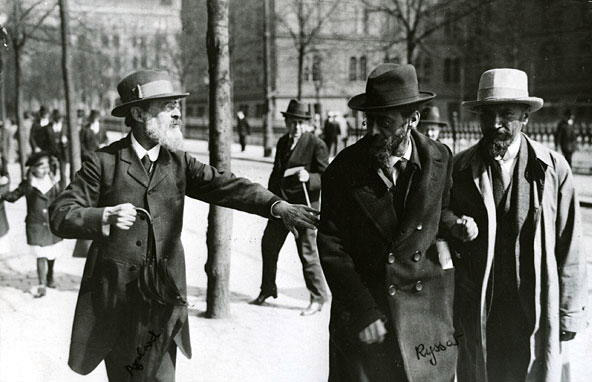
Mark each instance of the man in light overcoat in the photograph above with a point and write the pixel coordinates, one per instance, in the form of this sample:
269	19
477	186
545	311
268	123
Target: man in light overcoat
521	284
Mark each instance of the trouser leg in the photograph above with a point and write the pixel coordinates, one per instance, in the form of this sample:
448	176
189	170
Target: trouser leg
273	239
50	272
42	270
311	266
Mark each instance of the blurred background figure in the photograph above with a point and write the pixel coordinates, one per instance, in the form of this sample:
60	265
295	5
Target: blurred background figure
57	144
8	142
92	135
26	124
431	123
38	137
330	133
343	129
4	226
243	129
566	136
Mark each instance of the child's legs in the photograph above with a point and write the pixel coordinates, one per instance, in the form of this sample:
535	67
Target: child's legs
42	270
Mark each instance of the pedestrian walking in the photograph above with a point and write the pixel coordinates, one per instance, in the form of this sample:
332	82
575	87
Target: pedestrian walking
392	282
133	293
566	136
26	124
431	123
93	135
331	133
38	137
344	128
40	187
243	128
521	284
300	159
56	144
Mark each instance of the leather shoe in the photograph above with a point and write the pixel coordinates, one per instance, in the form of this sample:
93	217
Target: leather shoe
313	308
260	300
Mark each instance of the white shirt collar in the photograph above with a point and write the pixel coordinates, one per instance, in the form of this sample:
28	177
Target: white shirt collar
512	151
407	155
141	151
388	181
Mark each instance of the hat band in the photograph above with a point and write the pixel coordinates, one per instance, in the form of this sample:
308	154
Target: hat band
501	93
402	94
151	89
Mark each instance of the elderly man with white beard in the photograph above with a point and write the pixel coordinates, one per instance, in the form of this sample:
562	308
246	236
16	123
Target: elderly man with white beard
128	198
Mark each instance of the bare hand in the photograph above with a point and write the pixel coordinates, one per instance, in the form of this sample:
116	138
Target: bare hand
465	229
373	333
303	176
122	216
296	216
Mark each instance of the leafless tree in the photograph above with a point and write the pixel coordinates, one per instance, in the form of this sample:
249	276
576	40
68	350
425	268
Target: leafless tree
303	20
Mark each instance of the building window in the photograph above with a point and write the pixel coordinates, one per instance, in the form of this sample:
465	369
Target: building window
135	62
116	41
316	68
144	61
353	68
260	110
366	20
363	69
105	40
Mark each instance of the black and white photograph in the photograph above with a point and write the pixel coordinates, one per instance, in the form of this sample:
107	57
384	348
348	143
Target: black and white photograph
295	190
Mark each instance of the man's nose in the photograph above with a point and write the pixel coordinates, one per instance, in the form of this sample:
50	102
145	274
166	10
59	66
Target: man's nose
176	113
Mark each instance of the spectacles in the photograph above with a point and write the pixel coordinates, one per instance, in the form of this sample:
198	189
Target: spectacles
171	105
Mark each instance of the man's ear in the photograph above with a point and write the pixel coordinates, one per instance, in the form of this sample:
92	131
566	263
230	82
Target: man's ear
525	118
137	113
414	119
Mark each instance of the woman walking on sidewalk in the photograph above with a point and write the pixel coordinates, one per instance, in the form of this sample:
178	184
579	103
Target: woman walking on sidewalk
40	187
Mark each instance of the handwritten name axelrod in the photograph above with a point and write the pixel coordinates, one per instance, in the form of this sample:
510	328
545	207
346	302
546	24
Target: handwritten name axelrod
142	350
421	351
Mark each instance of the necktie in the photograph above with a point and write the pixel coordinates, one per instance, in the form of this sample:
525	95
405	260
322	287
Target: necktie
147	163
400	187
400	166
499	185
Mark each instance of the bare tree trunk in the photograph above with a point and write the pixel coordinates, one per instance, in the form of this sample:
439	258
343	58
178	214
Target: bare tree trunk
73	133
300	69
17	109
269	112
219	233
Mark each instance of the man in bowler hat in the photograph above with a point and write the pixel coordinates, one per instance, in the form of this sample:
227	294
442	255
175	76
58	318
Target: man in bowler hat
300	159
383	200
521	280
130	318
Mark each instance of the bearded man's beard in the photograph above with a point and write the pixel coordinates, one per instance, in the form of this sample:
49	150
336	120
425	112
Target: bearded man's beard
382	149
496	142
169	135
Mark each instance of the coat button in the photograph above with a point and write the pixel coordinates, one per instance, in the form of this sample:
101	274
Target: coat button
417	256
132	268
419	286
419	227
392	290
391	258
45	210
139	243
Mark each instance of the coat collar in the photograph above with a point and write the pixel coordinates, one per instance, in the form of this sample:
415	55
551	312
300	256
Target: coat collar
136	169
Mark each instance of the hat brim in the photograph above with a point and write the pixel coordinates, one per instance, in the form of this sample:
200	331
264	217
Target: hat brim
533	103
121	110
359	102
299	116
421	121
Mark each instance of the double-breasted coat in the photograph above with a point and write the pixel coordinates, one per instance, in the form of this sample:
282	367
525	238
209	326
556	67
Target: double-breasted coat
558	263
114	175
380	265
311	153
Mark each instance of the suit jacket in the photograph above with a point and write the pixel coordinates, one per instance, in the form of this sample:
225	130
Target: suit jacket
380	265
557	264
115	175
309	152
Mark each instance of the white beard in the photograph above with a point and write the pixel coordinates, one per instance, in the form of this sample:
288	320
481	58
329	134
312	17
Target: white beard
168	135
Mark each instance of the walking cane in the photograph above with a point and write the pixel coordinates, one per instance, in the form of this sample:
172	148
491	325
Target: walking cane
305	193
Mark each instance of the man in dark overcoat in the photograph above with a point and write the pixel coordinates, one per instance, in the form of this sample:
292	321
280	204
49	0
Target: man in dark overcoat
521	281
392	286
300	159
566	136
92	135
244	129
117	318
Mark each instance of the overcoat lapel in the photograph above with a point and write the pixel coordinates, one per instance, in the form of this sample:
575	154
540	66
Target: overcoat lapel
135	168
161	168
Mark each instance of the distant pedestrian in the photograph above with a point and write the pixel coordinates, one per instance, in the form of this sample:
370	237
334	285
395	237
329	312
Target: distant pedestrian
566	136
27	124
343	129
330	133
243	128
8	143
57	144
431	123
38	137
300	159
92	135
4	184
40	187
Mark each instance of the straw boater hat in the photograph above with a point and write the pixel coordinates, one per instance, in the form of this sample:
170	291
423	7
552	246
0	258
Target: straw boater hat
389	86
142	86
504	86
298	110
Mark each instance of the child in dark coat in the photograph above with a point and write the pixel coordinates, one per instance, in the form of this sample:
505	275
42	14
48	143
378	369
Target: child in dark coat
40	187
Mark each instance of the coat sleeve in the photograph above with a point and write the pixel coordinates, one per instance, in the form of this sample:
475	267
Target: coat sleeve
340	271
570	257
206	183
447	217
320	161
15	194
74	214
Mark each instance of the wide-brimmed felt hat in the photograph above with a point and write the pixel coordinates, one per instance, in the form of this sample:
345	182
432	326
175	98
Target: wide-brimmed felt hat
431	114
298	109
504	85
389	86
142	86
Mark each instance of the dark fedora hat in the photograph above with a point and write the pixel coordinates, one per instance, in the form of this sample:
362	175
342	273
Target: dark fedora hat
142	86
34	158
431	114
388	86
298	109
